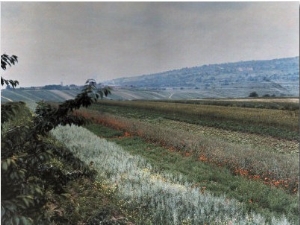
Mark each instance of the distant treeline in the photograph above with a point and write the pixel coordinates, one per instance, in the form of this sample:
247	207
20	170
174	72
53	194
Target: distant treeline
60	87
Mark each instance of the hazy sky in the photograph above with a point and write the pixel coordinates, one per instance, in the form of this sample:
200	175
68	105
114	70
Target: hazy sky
70	42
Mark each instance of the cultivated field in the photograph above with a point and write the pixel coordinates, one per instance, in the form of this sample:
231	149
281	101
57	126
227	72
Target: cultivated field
175	94
181	162
250	152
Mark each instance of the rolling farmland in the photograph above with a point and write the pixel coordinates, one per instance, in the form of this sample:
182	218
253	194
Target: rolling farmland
266	153
208	161
137	94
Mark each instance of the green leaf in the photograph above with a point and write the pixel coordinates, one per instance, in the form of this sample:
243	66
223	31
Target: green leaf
16	220
4	165
2	211
25	221
8	162
66	195
12	175
10	206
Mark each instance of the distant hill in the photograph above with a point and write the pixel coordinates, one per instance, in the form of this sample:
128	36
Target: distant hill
275	78
279	77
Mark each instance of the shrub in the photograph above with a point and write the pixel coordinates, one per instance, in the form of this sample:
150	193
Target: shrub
26	152
253	94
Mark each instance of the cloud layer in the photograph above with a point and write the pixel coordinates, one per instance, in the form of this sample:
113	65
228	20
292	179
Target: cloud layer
70	42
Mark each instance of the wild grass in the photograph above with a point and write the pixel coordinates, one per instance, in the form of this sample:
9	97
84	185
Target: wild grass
152	197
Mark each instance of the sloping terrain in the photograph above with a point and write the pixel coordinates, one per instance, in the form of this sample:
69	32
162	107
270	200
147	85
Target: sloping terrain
28	95
278	77
135	94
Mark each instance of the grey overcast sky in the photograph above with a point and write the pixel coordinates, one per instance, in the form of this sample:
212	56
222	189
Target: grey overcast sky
70	42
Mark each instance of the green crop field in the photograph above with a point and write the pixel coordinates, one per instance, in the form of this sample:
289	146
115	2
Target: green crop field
264	121
246	150
179	162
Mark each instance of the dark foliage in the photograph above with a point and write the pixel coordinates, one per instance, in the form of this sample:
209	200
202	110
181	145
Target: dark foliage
8	110
5	61
253	94
27	153
49	116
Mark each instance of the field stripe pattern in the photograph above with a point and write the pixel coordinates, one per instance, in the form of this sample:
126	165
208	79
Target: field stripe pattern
156	198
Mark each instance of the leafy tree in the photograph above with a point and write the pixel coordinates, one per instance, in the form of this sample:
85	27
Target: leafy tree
253	94
5	61
27	153
49	116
